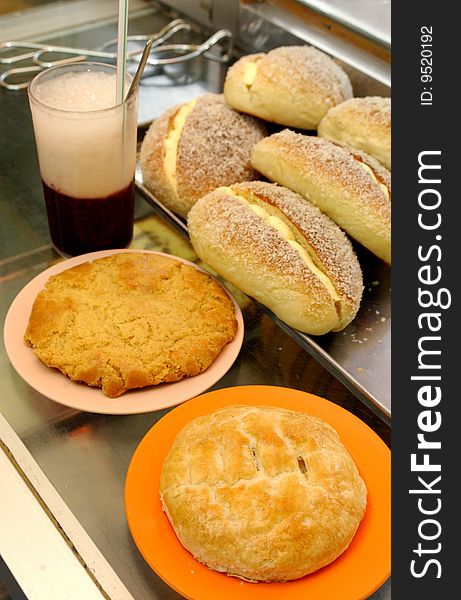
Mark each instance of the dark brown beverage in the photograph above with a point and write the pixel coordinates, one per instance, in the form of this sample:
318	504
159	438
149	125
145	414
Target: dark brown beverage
81	225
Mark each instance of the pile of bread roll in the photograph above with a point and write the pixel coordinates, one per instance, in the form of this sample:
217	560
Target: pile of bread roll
282	240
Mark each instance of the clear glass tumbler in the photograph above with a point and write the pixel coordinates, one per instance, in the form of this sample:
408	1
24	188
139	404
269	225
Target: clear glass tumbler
86	147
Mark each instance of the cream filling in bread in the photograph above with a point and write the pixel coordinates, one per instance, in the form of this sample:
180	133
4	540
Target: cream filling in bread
249	72
370	171
288	235
171	143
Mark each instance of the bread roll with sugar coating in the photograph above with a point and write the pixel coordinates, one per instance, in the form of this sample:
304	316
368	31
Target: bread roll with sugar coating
281	250
262	493
195	147
290	85
349	186
363	123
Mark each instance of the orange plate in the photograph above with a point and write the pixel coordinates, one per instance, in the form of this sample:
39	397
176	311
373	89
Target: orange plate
356	574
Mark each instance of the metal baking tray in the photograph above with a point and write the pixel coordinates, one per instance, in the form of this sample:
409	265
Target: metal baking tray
358	356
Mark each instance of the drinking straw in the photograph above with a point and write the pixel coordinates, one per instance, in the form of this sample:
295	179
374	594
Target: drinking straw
121	49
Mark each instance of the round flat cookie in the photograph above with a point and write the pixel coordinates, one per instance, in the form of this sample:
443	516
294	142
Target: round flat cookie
130	320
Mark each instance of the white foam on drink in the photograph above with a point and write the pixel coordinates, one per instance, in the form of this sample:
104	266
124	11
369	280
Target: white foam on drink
84	154
83	91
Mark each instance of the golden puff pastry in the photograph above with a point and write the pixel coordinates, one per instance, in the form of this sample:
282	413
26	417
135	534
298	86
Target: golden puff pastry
262	493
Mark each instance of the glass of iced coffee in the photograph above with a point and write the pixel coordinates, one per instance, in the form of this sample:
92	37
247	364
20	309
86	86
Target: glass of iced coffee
86	147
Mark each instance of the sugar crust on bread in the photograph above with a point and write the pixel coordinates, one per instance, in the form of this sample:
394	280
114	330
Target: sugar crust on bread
281	250
348	185
213	149
290	85
363	123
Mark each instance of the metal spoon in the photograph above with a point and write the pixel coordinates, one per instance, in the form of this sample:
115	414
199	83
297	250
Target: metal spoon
140	69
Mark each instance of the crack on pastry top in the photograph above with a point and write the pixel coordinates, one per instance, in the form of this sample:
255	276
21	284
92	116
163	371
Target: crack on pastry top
369	170
275	447
328	246
289	233
215	147
152	158
378	171
302	465
255	457
171	141
250	69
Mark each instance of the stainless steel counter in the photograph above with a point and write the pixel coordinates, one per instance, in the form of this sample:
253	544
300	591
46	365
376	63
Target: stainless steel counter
83	455
371	18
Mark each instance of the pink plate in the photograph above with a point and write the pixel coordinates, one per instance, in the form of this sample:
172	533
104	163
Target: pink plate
56	386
